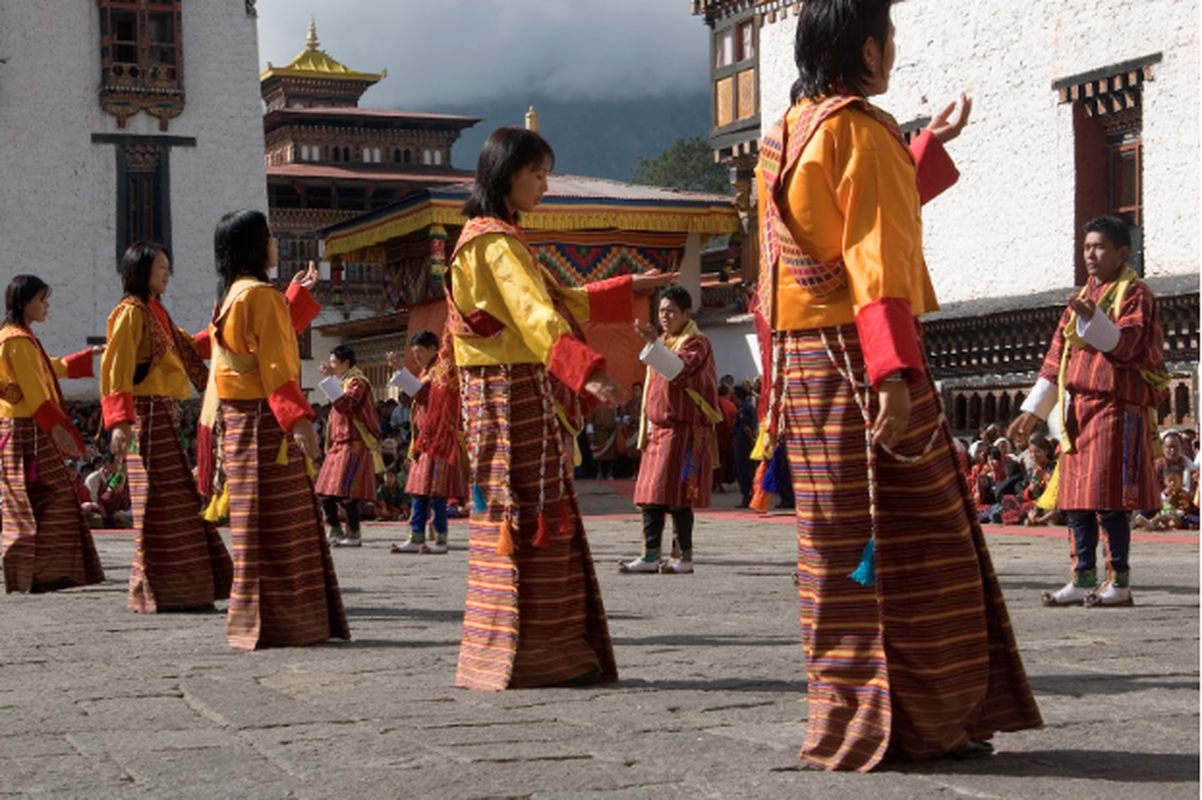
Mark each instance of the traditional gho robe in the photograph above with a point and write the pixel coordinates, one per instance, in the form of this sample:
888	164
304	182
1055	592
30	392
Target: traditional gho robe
352	439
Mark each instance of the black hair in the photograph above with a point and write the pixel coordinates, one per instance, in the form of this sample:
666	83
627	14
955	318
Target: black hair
994	452
424	338
723	390
506	151
1174	469
679	296
1112	227
741	392
20	292
344	353
829	47
1042	443
241	246
135	268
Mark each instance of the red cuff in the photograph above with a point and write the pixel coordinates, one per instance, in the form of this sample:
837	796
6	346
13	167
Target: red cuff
611	300
50	415
889	339
572	361
301	306
936	170
79	365
204	344
118	407
289	405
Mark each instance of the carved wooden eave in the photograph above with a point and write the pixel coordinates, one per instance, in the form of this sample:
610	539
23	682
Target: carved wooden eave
1109	90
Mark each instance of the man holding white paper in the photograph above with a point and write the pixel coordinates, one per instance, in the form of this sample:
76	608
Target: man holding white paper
676	432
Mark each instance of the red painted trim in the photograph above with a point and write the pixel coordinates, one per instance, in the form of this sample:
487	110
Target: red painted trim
289	405
572	361
889	339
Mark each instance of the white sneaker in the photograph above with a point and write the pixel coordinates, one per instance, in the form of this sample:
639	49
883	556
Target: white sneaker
434	548
638	565
408	547
349	541
1068	595
1110	595
677	566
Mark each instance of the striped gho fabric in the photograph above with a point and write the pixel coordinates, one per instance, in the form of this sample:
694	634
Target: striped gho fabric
47	544
285	592
553	629
924	658
180	561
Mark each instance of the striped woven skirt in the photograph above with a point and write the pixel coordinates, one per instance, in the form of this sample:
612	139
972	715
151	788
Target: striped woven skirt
47	544
347	472
533	618
677	468
180	561
285	592
925	659
1112	466
430	476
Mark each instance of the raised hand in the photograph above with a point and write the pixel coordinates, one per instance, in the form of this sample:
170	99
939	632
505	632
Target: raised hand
307	278
646	332
649	281
947	125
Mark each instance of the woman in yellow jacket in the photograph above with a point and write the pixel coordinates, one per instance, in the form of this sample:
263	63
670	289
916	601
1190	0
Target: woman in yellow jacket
46	541
149	365
285	592
908	644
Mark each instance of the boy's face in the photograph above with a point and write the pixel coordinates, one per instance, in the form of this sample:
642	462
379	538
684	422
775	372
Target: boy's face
1173	483
1103	260
423	354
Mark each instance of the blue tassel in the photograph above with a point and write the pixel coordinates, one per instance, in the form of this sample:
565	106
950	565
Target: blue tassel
478	502
771	483
865	574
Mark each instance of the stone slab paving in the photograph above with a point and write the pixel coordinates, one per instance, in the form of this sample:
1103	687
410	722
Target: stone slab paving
99	702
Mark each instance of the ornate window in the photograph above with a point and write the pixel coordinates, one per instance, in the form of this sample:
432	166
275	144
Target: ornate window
141	59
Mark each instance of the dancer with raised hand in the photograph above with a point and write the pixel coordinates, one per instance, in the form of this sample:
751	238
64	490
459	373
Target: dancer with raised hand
285	592
149	365
534	615
47	544
908	644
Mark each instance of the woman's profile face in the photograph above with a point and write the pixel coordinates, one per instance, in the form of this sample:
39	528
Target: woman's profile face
37	308
160	274
528	186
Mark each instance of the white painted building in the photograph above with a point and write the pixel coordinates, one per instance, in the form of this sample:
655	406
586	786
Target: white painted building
123	119
1008	227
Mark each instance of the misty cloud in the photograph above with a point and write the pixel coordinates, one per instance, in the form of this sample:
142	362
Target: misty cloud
450	52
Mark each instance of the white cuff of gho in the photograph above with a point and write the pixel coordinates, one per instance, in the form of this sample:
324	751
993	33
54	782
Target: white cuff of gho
332	387
1099	331
1042	399
657	356
406	381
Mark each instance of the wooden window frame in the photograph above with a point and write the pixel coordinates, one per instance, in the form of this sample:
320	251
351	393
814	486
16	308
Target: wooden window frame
137	72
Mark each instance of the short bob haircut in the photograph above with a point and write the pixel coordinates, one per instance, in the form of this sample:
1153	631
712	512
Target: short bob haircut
1113	228
506	151
241	246
135	268
829	48
20	292
424	338
344	353
679	296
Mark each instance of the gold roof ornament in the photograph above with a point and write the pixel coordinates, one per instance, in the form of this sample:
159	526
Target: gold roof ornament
315	63
532	120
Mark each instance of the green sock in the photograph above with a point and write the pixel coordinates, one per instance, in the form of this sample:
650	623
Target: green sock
1086	579
686	555
1122	580
650	555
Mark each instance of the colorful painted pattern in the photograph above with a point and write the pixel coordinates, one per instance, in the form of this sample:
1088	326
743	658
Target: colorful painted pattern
46	541
285	592
578	259
179	559
533	618
925	659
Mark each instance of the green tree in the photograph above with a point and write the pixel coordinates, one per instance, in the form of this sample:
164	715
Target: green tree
685	164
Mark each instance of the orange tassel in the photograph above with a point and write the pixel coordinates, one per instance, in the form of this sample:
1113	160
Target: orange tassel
761	501
543	537
566	525
505	543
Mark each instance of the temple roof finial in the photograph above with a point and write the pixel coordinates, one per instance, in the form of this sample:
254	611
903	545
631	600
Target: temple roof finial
312	40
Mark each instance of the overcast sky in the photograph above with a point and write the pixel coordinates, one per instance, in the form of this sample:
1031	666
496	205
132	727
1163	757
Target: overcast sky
453	51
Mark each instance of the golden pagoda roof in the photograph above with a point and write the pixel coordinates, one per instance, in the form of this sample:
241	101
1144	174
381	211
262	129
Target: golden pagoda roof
315	63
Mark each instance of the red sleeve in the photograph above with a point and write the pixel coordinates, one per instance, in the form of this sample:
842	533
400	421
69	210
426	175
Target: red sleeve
49	415
611	300
80	365
301	307
889	339
936	170
118	407
572	361
204	344
289	405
